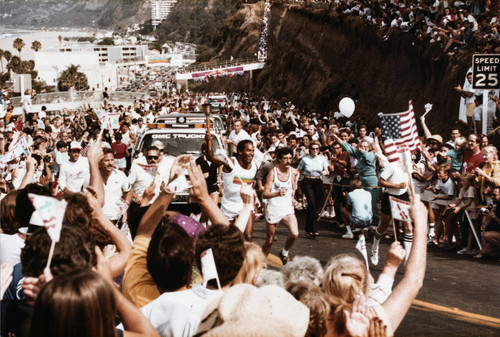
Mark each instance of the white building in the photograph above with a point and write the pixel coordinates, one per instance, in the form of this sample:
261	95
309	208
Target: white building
160	10
50	65
111	54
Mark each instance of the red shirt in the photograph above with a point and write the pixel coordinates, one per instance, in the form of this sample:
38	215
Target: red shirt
119	150
472	161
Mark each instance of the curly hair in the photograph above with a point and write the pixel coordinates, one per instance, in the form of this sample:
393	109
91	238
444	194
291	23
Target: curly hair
75	250
227	245
314	298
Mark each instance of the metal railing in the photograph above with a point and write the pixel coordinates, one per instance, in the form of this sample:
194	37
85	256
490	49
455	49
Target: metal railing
218	65
80	96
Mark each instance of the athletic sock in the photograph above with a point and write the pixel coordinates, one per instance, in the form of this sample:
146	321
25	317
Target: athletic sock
349	231
407	243
376	241
431	229
284	252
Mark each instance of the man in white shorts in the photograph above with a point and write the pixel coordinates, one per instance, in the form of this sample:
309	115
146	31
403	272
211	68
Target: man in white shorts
279	190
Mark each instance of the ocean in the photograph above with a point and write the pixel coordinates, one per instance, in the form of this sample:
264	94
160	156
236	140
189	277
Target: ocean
48	38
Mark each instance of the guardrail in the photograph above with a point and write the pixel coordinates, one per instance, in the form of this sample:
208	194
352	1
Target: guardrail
217	65
80	96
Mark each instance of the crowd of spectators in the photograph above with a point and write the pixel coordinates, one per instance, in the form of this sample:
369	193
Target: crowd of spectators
455	25
124	252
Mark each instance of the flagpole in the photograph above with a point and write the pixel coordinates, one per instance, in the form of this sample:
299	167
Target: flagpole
51	253
394	229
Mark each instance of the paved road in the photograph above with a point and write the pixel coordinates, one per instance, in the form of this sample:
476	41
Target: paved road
460	296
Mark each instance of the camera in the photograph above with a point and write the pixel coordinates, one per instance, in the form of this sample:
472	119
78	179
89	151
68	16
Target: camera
488	209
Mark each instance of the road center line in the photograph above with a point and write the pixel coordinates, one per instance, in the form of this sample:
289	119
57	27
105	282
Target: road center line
457	314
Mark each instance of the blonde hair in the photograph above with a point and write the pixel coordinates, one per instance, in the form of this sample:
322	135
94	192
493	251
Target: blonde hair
460	142
491	149
252	265
345	277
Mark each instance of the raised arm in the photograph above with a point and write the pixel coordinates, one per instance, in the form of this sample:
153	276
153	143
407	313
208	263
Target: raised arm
30	172
118	261
134	322
227	167
427	133
199	193
94	156
400	300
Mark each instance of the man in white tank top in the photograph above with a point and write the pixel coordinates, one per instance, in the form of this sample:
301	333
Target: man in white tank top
279	190
235	172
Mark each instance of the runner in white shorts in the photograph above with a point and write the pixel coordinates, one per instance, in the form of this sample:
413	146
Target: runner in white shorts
280	187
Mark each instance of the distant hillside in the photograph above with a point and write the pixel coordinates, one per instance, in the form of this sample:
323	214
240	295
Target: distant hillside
217	26
73	13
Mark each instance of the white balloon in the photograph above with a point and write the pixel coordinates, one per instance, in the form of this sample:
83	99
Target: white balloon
346	106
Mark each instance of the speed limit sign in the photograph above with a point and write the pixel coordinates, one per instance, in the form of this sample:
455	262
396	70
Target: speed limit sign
485	71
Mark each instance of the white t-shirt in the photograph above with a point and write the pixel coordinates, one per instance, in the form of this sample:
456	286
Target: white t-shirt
178	314
74	175
10	248
242	135
113	190
139	179
395	174
468	87
361	202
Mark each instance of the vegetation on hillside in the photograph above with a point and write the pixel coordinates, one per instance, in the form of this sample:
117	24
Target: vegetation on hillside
207	23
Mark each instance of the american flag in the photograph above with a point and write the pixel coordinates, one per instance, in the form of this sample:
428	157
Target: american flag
400	133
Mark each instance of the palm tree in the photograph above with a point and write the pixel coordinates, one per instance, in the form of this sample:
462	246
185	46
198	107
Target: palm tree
19	45
36	45
7	55
14	64
71	77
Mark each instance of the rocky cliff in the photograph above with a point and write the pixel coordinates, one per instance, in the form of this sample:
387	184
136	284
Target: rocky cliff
315	56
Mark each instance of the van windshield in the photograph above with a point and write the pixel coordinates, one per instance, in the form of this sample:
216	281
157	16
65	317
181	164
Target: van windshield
178	143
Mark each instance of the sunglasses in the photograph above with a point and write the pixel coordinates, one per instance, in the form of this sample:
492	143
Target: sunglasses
314	148
152	157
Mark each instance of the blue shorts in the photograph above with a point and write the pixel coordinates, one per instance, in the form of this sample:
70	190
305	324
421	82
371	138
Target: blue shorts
357	223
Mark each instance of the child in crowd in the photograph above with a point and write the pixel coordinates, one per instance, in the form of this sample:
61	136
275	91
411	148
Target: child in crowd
445	191
456	155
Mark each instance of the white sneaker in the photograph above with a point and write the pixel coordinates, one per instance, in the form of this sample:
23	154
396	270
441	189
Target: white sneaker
374	258
349	236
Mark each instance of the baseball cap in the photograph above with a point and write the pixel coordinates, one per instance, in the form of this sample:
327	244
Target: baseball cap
75	146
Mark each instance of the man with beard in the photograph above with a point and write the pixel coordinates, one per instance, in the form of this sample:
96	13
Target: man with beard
115	184
280	188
